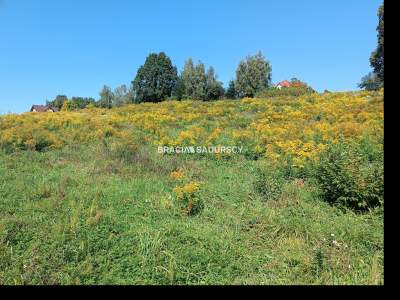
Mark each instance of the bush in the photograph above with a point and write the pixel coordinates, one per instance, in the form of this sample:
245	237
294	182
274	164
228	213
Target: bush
351	175
287	91
187	198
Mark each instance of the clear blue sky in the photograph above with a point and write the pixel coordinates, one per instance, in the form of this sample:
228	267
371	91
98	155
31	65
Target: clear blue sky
73	47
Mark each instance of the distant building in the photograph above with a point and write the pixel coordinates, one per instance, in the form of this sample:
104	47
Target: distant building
282	84
43	108
287	83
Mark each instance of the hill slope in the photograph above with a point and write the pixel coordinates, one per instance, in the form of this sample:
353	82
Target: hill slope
86	197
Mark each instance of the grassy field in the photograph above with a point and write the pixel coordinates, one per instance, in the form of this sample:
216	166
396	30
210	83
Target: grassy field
85	197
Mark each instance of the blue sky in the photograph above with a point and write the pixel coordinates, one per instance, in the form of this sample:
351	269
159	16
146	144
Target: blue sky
74	47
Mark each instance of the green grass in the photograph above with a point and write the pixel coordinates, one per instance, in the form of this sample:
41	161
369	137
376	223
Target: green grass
82	216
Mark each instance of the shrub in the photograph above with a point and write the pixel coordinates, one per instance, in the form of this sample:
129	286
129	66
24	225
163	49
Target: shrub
44	140
188	199
351	176
287	91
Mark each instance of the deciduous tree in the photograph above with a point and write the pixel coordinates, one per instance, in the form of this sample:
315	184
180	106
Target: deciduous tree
198	84
156	79
252	75
106	97
231	91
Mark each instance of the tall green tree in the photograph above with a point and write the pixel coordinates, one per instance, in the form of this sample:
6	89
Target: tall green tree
375	80
231	91
377	57
179	90
188	79
58	101
252	75
214	89
198	84
156	79
106	97
200	81
370	82
122	96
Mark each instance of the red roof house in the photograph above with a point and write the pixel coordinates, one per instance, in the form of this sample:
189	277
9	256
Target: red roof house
286	83
282	84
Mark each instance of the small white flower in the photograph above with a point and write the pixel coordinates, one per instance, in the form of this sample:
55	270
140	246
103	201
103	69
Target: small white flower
332	235
335	243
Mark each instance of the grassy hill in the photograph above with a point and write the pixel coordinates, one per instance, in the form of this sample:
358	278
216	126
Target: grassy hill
86	197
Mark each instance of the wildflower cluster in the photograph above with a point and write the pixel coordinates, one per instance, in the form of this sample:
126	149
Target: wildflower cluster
273	129
186	195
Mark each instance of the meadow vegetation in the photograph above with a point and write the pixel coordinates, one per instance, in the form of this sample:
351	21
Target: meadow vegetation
85	197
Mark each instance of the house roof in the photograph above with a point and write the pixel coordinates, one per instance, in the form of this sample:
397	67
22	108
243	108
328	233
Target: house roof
39	108
284	83
43	108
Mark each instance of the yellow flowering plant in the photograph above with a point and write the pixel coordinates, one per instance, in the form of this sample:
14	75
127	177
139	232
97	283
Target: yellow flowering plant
271	129
188	199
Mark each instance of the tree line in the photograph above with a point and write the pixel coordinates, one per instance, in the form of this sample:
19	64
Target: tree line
158	80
